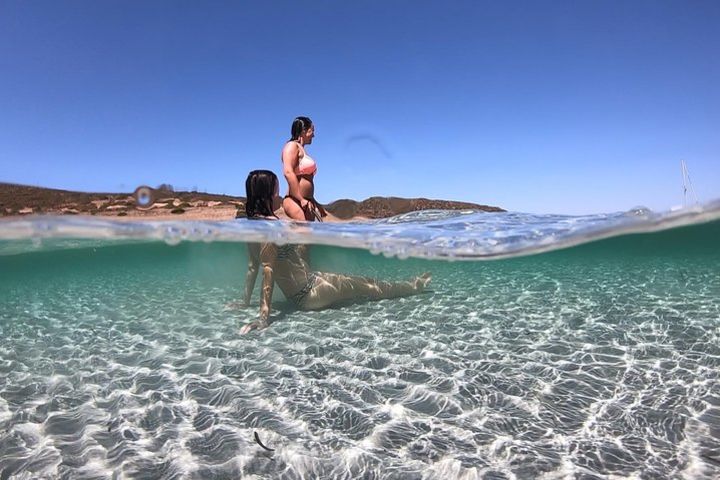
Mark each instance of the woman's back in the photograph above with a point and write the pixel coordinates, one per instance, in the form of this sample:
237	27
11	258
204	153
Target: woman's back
289	264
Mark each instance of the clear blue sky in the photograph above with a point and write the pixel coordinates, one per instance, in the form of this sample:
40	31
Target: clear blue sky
546	107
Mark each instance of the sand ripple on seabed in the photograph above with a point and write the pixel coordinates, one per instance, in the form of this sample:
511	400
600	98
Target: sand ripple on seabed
515	376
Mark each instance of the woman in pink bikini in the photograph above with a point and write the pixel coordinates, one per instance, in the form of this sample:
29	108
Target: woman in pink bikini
299	169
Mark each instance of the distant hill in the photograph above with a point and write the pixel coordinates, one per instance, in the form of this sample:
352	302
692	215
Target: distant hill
383	207
23	199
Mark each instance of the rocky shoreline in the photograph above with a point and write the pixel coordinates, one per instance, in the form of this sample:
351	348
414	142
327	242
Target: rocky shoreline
163	203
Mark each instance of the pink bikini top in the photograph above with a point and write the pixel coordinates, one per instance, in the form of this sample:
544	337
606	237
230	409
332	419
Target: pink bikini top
306	166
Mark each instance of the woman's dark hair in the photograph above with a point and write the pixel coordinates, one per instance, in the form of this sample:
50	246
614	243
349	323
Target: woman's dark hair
299	125
259	190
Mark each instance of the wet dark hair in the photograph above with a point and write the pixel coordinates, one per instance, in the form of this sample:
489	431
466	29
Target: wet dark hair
259	189
299	125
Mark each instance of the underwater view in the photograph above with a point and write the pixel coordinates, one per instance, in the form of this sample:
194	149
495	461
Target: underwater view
121	355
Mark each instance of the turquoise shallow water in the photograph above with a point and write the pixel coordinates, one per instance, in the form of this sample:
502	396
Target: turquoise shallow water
121	358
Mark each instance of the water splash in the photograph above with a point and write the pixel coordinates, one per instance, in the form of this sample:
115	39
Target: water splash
433	234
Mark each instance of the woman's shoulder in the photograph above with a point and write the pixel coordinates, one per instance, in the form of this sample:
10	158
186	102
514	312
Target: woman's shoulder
268	252
292	146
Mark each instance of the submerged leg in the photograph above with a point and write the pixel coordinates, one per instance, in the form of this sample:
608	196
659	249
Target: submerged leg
331	288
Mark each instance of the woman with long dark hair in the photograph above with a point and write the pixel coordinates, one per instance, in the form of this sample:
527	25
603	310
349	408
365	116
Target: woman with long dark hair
286	266
299	170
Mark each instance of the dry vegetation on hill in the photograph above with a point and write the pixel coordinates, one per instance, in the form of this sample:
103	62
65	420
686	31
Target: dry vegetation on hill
22	200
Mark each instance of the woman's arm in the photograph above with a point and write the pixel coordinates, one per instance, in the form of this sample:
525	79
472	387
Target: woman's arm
290	160
253	264
268	254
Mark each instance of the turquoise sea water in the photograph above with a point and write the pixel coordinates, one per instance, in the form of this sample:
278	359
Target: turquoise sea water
120	355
